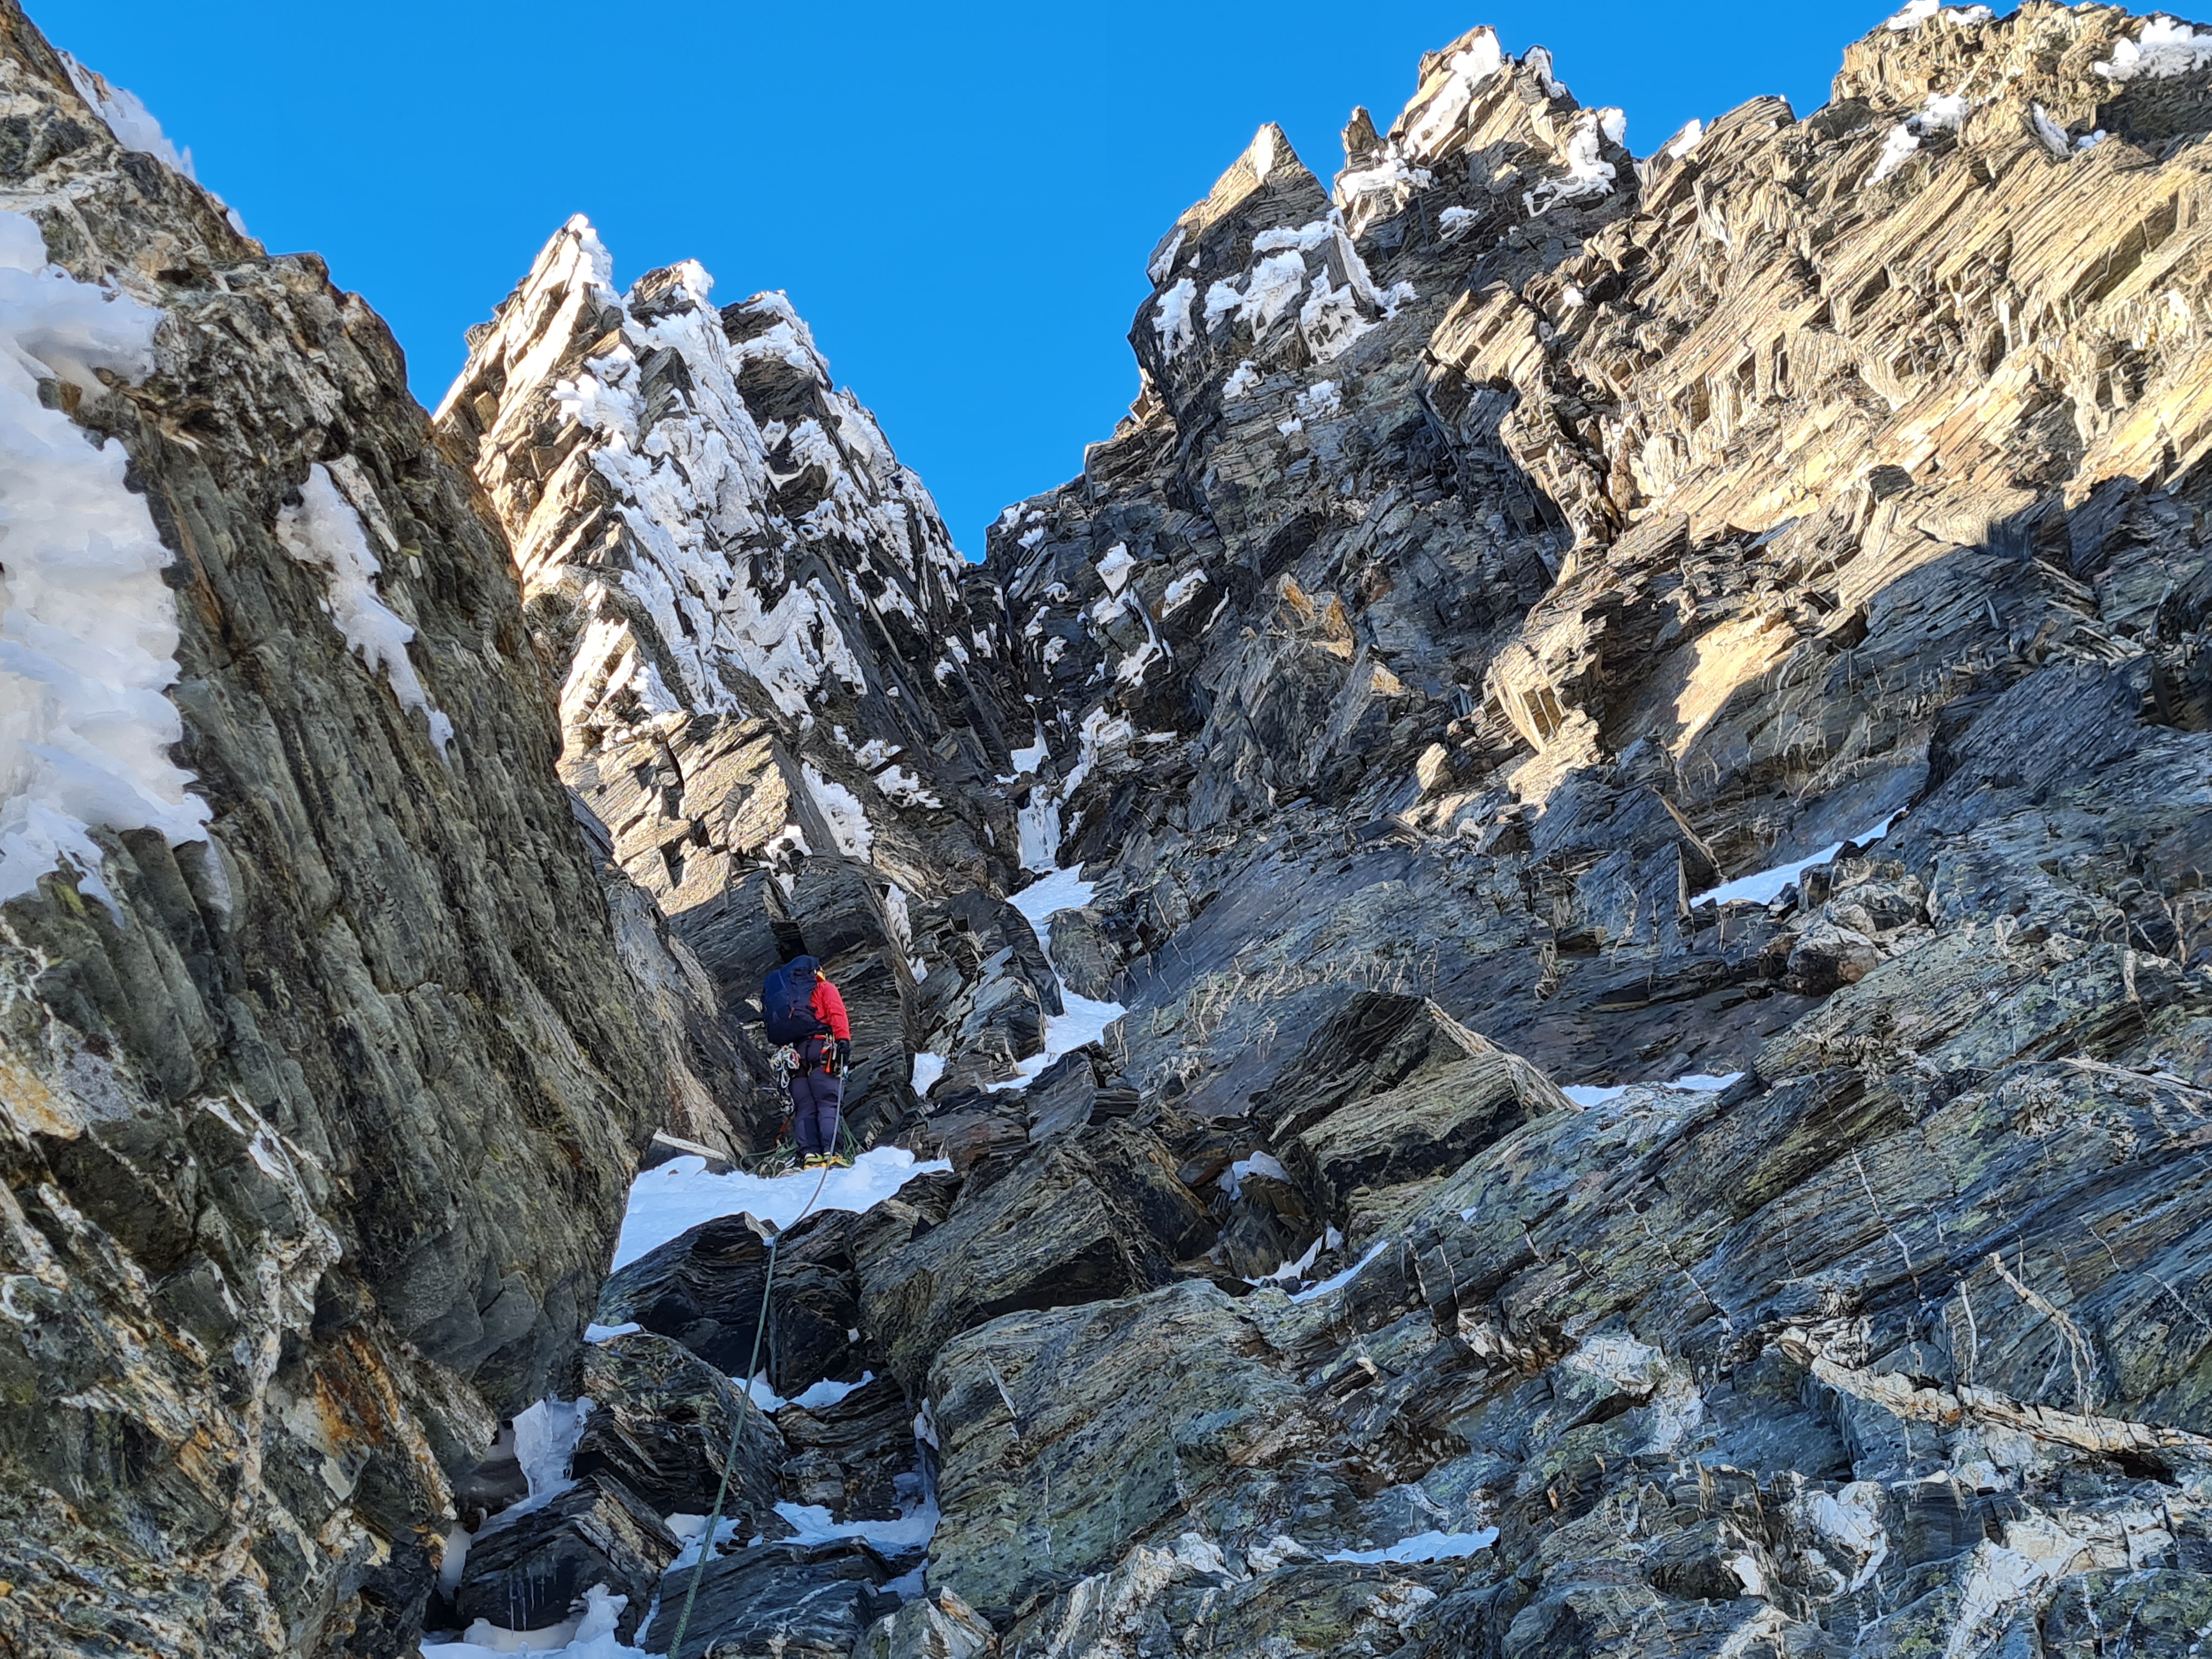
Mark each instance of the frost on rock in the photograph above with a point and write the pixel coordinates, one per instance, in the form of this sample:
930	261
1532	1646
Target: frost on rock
1589	173
766	524
2165	46
324	532
1171	318
87	627
1942	113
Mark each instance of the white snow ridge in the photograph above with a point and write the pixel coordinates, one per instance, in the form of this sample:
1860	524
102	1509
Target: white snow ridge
87	629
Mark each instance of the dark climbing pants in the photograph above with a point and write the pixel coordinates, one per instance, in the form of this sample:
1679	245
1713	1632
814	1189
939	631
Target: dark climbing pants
815	1099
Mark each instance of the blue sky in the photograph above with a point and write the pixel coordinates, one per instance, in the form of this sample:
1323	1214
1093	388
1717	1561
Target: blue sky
960	200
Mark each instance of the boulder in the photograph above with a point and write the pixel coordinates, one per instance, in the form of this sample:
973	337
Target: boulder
1418	1131
1063	1096
791	1601
1374	1042
1090	1216
661	1424
703	1288
1062	1435
938	1625
526	1572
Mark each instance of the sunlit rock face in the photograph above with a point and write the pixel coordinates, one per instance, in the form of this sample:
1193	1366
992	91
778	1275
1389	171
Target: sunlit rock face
320	1075
1552	927
770	652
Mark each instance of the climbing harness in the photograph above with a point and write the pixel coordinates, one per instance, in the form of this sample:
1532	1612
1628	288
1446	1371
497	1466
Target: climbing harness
738	1428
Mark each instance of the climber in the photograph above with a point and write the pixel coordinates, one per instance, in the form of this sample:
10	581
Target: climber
802	1009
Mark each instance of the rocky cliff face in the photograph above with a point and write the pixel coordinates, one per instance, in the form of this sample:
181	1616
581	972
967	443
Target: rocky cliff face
774	662
1517	552
319	1077
1553	925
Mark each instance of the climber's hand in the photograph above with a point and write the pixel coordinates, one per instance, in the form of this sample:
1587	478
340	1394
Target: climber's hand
844	1055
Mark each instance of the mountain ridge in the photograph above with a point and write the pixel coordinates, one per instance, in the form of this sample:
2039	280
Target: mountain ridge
1530	978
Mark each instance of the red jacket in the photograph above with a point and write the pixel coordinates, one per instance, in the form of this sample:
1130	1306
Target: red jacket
830	1008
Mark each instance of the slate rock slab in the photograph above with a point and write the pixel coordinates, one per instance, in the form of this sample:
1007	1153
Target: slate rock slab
794	1601
1063	1434
703	1288
525	1575
1090	1215
662	1427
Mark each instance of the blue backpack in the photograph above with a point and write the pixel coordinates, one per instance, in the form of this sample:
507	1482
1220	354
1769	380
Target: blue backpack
787	1002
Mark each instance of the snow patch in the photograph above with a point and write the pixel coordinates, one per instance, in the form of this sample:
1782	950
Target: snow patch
87	627
1171	319
906	789
841	809
1231	1179
1423	1547
1917	12
589	1636
911	1531
1464	74
666	1202
2166	47
1589	173
927	1069
1337	1281
324	532
1043	899
128	117
1179	592
1114	568
1765	886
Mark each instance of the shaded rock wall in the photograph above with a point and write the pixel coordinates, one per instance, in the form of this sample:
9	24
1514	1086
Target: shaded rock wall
314	1141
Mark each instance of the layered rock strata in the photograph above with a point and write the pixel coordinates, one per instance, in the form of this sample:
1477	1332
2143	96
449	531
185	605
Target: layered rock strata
776	670
1635	734
320	1074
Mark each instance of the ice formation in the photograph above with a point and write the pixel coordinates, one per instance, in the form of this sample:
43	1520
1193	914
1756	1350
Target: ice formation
325	532
87	627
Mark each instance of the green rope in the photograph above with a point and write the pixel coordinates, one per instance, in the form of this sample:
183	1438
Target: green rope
738	1428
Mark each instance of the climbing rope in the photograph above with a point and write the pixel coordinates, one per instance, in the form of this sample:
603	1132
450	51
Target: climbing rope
738	1427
